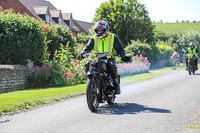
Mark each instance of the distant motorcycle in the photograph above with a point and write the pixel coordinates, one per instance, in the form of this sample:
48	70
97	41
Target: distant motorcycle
191	63
100	87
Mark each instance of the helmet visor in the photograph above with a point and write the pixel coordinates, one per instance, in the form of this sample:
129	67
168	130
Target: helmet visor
99	31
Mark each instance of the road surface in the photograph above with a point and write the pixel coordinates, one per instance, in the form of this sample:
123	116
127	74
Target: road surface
166	104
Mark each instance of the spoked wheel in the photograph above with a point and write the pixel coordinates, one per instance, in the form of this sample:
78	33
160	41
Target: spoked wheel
92	95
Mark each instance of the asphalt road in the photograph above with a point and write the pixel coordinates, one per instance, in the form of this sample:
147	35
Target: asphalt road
167	104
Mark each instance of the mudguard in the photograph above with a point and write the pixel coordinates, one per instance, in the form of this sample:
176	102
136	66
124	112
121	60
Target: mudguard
91	74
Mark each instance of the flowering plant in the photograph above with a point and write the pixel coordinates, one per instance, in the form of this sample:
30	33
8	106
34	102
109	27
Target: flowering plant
139	64
45	28
75	74
39	76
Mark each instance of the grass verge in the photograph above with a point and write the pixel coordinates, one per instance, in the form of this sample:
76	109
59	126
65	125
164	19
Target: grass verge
13	102
194	126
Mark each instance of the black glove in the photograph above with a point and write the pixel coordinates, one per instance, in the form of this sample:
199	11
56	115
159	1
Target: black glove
80	56
126	59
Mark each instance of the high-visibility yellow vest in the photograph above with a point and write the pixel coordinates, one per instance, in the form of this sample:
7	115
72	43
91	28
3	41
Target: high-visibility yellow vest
103	45
192	52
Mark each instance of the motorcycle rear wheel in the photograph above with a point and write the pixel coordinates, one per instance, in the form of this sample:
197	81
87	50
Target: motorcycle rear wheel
92	94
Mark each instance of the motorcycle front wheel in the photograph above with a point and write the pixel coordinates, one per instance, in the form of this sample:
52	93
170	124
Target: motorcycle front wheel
92	95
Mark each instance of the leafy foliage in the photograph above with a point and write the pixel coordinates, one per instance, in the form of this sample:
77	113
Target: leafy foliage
20	39
137	47
82	38
165	50
81	41
62	70
187	37
128	19
57	35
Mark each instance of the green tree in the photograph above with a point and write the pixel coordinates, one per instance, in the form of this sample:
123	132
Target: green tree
185	38
128	19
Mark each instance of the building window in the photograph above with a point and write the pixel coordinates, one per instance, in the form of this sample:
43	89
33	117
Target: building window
70	23
60	20
47	18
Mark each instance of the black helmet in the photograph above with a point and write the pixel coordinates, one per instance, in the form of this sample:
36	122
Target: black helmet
101	28
192	44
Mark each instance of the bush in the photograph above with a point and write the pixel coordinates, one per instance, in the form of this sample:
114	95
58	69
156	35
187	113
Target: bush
57	35
82	38
165	50
70	68
20	39
137	47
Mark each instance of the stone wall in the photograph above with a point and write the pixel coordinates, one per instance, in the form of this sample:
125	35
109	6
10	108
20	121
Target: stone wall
12	77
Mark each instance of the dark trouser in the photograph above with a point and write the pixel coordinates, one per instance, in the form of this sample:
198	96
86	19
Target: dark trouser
186	62
112	69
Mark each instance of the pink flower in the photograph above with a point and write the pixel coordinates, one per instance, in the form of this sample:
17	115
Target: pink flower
68	73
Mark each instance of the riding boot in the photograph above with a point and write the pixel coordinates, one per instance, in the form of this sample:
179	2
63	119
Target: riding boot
196	64
196	67
117	87
186	62
114	74
117	91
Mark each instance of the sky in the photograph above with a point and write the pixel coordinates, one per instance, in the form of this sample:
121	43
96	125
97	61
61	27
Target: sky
165	10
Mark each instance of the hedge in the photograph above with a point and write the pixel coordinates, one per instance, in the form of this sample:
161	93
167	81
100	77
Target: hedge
21	38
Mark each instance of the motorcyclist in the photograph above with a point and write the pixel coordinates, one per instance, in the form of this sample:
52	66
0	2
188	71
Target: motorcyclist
192	50
105	41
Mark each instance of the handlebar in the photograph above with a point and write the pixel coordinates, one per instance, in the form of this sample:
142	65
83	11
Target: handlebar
100	55
105	55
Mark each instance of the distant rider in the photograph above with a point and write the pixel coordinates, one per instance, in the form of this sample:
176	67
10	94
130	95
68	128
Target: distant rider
193	51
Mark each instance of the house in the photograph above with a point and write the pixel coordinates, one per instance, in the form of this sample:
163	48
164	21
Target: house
43	10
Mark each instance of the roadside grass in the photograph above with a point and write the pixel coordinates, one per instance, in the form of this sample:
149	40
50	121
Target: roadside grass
180	67
20	100
194	126
16	101
139	78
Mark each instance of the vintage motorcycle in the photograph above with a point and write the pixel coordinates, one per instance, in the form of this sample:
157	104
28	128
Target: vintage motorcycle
100	87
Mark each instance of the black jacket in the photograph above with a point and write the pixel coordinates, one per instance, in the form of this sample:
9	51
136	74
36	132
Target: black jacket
118	46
